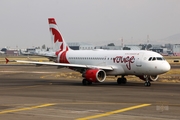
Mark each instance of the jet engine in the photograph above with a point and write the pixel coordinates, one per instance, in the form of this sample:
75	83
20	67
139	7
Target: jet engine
95	75
150	77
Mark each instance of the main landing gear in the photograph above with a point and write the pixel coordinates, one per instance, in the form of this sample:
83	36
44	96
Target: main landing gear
122	80
86	82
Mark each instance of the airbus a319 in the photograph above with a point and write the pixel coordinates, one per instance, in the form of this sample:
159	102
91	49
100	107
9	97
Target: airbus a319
95	65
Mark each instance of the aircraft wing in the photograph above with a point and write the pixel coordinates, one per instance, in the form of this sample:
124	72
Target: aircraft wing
67	65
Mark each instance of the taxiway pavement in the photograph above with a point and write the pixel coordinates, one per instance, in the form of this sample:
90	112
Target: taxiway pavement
25	93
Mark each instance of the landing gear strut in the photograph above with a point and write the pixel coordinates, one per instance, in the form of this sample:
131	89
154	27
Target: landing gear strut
121	80
147	83
86	82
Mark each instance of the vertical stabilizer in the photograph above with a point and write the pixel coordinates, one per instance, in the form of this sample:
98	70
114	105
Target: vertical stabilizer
57	40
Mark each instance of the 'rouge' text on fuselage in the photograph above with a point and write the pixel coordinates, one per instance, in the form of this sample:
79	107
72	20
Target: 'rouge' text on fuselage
128	60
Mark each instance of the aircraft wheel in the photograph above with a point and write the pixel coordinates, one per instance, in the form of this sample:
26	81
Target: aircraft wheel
124	80
89	82
119	81
84	82
147	83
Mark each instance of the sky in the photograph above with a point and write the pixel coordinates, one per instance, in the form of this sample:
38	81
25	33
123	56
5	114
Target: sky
24	23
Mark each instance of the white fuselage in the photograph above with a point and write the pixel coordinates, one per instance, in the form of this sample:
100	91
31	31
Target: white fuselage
124	62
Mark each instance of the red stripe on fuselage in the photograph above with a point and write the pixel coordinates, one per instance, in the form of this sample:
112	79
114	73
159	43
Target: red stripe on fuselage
61	49
63	58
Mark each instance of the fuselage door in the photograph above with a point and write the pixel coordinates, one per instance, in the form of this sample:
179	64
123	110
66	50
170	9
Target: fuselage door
139	60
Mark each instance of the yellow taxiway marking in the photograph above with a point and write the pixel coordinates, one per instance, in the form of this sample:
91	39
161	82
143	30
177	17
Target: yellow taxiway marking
113	112
16	88
26	108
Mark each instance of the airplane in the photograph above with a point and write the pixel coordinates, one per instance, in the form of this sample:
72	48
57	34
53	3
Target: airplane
48	54
2	52
95	65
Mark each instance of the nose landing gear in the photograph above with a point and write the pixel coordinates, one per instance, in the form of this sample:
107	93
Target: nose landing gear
147	83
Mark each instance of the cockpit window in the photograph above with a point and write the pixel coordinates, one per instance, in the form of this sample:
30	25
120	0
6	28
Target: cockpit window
160	58
153	59
156	58
150	58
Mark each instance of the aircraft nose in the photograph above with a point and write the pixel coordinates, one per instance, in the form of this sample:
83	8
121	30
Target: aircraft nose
166	67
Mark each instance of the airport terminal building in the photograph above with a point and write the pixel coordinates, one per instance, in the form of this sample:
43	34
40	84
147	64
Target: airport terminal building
166	49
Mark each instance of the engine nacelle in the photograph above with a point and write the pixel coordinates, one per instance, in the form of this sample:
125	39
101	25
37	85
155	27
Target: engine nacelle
153	77
150	77
95	75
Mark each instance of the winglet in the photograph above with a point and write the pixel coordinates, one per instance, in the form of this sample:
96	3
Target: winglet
7	60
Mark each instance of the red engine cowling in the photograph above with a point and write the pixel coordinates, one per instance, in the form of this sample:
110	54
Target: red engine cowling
150	77
95	75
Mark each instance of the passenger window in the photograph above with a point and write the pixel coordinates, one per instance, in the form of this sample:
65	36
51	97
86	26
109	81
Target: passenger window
150	58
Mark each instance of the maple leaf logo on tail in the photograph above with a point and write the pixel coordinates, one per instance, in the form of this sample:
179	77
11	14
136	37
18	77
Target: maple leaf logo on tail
59	45
58	42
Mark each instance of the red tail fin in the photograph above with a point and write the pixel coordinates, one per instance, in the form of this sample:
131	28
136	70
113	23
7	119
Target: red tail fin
58	42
